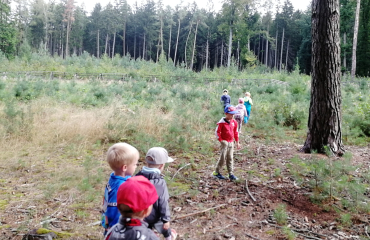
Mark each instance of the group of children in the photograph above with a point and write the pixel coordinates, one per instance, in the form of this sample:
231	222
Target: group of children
228	130
133	206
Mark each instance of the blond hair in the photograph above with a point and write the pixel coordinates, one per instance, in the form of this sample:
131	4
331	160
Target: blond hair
248	94
121	154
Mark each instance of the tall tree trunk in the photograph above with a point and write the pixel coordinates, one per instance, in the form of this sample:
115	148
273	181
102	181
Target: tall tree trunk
114	42
249	43
325	115
67	38
281	51
230	46
124	38
135	45
355	31
169	45
106	44
267	45
286	56
159	39
207	50
97	42
195	40
143	48
276	48
222	53
177	43
238	54
186	44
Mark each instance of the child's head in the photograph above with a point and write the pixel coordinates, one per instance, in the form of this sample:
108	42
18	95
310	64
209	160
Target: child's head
225	91
248	94
135	197
230	110
241	100
157	157
123	157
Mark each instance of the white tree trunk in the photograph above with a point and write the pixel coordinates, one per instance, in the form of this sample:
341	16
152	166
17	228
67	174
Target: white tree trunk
281	51
114	43
195	40
355	31
177	43
230	46
276	49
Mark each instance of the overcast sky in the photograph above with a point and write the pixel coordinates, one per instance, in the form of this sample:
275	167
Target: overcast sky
89	4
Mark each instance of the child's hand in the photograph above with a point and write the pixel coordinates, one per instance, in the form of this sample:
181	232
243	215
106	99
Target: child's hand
166	225
238	146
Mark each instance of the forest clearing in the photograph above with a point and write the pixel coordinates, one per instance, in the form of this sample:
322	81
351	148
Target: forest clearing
55	134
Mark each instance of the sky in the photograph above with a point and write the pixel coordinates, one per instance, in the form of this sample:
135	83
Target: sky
89	4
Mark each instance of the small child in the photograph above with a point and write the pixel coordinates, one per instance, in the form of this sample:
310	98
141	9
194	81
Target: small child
248	105
226	132
225	99
135	201
122	159
156	158
242	113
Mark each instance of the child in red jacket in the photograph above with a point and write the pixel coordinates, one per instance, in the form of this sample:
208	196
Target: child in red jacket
227	131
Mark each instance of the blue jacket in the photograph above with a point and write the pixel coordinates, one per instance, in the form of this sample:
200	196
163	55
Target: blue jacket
225	99
111	214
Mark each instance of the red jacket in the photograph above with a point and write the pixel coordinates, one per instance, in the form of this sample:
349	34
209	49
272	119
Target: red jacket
227	131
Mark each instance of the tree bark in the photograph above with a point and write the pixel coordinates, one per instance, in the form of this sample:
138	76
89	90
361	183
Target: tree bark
97	42
276	49
177	43
230	46
114	42
267	46
324	122
355	31
169	44
281	51
195	40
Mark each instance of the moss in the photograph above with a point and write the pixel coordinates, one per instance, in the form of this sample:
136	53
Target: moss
4	226
59	234
3	204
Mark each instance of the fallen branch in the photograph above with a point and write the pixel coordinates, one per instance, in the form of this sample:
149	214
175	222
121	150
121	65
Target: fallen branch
250	236
179	170
246	187
221	228
300	230
203	211
366	232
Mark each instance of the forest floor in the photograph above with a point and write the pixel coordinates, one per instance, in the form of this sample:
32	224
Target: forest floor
211	208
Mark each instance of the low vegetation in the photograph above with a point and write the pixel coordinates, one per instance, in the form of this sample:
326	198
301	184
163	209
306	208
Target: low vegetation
54	134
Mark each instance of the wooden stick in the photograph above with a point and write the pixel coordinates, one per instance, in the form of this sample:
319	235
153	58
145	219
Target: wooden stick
301	230
246	187
203	211
179	170
251	236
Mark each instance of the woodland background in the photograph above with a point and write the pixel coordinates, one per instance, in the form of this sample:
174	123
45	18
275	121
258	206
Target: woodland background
244	32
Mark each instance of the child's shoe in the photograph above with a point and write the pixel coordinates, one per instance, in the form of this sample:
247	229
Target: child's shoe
218	175
173	235
232	177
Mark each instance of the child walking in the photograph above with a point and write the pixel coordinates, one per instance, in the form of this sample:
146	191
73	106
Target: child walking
135	201
242	113
225	98
122	159
248	105
156	158
227	131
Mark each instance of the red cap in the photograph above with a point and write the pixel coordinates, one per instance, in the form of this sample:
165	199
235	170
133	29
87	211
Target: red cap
138	193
